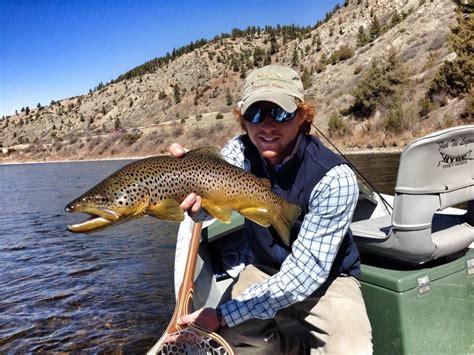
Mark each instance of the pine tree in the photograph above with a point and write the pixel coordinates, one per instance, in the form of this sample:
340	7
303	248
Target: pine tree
362	38
306	79
456	77
396	18
273	43
267	60
375	29
258	56
176	94
228	97
318	43
117	123
295	59
242	72
235	63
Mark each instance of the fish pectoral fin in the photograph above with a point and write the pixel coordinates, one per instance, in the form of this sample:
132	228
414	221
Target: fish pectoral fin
221	212
259	215
168	210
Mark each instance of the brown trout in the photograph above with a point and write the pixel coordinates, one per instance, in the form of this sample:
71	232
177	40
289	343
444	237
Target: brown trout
156	186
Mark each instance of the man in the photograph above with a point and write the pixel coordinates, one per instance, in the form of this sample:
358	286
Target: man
305	297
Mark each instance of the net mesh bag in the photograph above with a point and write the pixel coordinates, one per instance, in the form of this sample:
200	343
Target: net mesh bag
190	341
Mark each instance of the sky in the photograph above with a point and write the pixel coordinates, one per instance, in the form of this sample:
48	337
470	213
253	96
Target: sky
55	49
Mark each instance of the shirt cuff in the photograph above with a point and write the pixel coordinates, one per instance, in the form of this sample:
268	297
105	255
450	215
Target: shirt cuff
235	312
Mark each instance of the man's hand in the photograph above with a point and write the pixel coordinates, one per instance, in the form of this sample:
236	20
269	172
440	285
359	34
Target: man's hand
205	318
177	150
192	202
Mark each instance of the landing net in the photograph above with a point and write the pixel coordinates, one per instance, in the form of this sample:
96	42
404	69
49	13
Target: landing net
188	341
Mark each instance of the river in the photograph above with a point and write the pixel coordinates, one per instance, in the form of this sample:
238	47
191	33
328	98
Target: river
106	292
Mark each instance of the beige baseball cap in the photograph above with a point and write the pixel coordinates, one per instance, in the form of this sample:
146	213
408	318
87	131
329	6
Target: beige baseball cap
275	83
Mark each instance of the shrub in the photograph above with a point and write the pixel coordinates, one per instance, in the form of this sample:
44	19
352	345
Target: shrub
177	131
156	138
161	96
219	116
426	106
358	69
130	138
199	133
430	61
378	85
394	118
344	52
370	91
396	18
469	108
337	125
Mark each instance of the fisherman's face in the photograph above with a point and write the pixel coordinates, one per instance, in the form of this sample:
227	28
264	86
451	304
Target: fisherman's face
274	140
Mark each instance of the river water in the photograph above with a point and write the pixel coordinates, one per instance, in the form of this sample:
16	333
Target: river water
107	292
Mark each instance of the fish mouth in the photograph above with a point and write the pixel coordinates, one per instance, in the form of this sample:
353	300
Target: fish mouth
99	218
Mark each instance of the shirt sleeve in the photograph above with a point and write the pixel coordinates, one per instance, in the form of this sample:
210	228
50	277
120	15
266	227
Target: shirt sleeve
331	207
233	153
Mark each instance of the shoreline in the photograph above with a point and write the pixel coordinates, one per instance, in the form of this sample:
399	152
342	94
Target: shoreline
31	162
388	150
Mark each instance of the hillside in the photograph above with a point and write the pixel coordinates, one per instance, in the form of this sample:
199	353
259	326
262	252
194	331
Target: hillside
372	67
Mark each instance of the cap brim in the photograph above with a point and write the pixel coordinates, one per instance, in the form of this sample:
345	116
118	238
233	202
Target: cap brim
285	101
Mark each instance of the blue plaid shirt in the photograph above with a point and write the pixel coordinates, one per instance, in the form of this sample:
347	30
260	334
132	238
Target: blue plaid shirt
331	206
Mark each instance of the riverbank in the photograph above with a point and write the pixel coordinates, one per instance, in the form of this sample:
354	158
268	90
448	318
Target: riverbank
351	151
26	162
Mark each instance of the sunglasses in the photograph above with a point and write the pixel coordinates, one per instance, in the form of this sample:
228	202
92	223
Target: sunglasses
257	114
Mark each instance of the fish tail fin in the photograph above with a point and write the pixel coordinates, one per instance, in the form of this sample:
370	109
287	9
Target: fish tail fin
284	219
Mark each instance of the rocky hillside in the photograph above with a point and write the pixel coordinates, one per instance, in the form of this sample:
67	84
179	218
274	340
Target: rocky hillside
374	69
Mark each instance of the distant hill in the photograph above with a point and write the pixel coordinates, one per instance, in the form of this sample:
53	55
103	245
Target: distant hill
380	72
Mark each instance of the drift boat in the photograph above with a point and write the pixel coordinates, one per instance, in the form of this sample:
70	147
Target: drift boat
417	250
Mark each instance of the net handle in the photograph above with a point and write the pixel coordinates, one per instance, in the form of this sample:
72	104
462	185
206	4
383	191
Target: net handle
186	290
185	297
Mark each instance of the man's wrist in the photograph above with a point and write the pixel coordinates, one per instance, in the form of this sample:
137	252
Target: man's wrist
220	319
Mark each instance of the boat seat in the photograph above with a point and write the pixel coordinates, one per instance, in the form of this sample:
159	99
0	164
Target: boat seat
436	172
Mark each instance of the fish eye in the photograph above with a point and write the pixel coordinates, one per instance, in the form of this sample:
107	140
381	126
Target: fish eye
100	199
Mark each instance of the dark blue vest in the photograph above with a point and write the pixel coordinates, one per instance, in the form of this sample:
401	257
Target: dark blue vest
294	181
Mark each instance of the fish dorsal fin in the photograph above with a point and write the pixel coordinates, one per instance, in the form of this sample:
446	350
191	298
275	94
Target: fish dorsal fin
208	151
266	183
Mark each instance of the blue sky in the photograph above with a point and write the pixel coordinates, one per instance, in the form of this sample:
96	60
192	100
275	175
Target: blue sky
54	49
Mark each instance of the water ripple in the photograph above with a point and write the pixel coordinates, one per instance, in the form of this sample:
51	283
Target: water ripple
61	292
